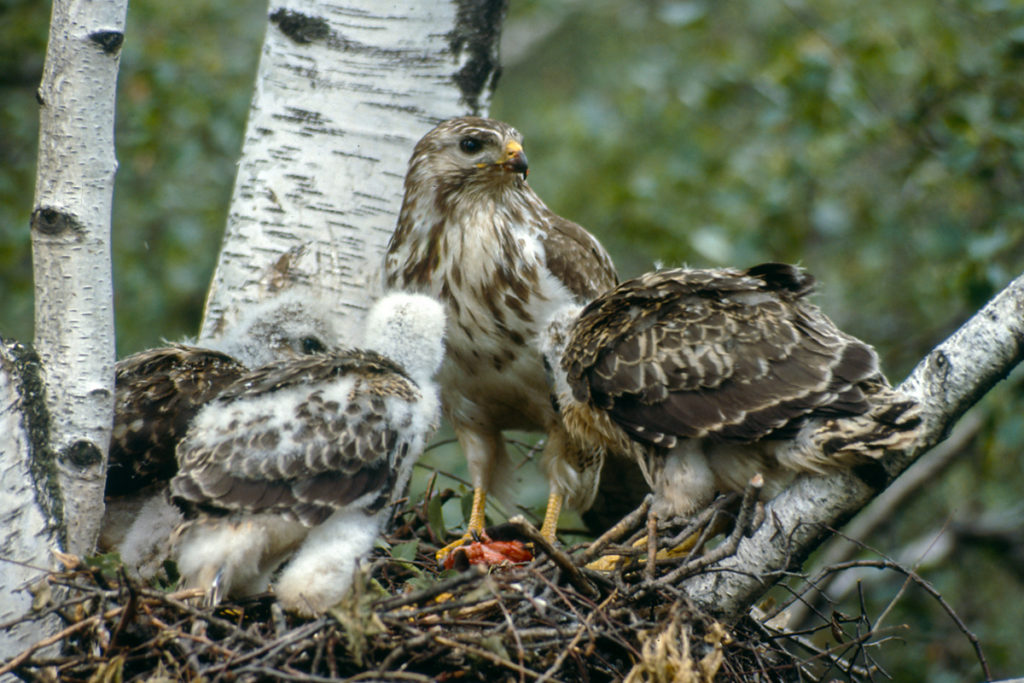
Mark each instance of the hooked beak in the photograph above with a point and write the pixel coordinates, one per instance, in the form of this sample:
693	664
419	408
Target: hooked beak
515	159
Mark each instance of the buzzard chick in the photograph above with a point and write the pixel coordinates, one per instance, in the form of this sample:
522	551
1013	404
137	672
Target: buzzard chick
304	456
712	376
159	391
472	233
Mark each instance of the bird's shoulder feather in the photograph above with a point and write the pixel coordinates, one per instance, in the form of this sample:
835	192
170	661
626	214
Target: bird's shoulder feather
727	354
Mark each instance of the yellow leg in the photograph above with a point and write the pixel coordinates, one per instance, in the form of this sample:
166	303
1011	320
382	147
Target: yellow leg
550	526
475	526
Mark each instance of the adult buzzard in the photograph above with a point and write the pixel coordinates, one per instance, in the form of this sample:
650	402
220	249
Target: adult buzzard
472	233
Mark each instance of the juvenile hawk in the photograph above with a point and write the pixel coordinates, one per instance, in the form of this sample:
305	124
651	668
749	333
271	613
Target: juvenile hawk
472	233
157	392
303	457
712	376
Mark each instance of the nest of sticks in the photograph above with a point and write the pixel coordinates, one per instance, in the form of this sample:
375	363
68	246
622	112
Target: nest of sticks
551	619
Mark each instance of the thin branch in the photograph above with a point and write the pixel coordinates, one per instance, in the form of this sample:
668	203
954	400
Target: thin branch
561	560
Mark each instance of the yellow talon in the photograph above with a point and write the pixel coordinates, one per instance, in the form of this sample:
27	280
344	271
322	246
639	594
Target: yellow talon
473	529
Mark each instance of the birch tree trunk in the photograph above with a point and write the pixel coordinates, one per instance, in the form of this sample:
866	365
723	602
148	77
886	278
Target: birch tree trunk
952	378
30	501
56	411
344	90
74	327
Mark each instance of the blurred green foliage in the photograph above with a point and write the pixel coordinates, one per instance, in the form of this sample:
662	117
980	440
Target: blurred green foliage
184	87
879	144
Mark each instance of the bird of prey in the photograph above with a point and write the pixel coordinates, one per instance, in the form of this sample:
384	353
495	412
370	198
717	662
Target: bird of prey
472	233
711	376
300	458
158	392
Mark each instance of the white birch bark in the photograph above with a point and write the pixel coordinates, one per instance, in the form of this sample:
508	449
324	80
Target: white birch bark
952	378
344	90
74	328
30	503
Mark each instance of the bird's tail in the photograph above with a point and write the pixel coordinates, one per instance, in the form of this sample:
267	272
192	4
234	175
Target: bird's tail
892	423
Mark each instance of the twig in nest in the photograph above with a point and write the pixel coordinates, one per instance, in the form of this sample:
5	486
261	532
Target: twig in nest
561	560
584	627
731	543
474	572
928	588
484	654
620	529
652	546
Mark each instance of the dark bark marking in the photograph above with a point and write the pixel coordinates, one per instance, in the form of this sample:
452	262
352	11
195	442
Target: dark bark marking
26	369
477	31
82	454
110	41
49	221
301	28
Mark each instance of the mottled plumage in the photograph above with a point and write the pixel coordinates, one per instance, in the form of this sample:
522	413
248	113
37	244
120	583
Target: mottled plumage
303	456
300	438
472	233
159	391
710	376
157	394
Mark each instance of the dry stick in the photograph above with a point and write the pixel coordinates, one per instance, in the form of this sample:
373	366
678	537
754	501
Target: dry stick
394	675
20	658
474	572
928	588
830	653
583	628
275	646
17	661
511	626
652	546
483	654
621	528
706	521
728	547
561	560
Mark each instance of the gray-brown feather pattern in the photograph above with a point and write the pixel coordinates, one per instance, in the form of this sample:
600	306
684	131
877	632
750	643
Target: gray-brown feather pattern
332	455
567	247
724	354
156	394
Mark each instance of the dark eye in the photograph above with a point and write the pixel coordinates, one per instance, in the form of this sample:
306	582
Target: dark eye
470	145
312	345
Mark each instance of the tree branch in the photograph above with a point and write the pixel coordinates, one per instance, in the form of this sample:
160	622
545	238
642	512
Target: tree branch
952	378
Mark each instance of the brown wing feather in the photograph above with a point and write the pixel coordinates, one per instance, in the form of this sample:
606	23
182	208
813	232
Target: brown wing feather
322	456
576	258
157	393
726	354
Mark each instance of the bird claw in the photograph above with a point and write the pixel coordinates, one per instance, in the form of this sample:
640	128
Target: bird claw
215	592
442	555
